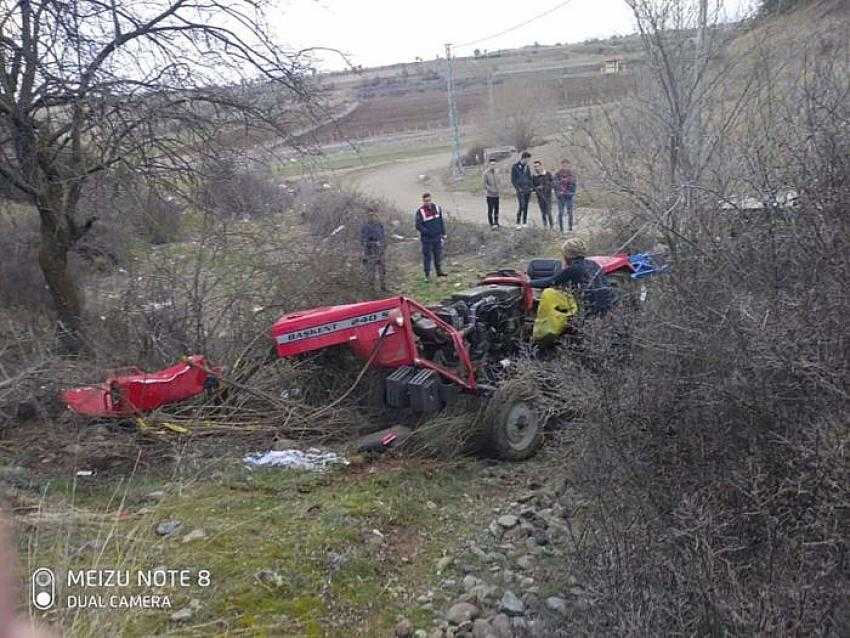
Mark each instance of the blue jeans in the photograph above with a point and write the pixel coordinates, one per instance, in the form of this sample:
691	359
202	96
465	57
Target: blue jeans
565	205
432	248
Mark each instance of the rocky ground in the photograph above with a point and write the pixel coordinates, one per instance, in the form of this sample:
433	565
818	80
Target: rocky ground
510	578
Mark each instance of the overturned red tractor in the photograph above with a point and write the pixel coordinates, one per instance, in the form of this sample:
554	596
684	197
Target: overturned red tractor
430	354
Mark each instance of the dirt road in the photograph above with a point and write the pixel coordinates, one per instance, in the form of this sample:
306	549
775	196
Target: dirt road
400	183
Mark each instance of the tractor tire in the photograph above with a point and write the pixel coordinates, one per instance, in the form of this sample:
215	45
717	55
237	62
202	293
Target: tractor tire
515	429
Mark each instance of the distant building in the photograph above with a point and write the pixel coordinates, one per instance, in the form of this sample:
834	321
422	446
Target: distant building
613	65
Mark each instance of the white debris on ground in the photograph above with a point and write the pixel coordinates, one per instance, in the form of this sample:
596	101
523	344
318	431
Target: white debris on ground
312	460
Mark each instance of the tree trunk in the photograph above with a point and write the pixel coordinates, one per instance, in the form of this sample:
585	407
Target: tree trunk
53	259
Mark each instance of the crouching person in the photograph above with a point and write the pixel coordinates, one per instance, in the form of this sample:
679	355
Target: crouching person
373	243
583	278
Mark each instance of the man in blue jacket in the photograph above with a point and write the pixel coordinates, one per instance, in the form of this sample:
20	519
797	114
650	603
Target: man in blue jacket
522	182
432	234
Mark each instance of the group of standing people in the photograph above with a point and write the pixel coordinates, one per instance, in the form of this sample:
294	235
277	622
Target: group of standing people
428	216
559	186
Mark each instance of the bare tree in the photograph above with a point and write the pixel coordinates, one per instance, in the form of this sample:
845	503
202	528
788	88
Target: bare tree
662	138
87	85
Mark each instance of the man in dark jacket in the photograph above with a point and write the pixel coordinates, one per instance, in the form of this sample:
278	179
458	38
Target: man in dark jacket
522	182
373	242
542	182
584	277
432	234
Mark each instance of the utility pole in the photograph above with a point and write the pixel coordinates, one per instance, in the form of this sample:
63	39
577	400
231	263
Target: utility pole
457	166
703	25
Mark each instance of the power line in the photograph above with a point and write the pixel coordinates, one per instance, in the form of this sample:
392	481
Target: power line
516	26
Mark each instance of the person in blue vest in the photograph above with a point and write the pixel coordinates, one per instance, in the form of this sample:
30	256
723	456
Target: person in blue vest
432	234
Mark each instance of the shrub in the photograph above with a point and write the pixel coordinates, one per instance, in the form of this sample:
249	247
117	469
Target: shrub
474	156
233	186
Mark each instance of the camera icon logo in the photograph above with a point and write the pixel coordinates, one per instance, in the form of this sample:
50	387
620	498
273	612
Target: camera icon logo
43	589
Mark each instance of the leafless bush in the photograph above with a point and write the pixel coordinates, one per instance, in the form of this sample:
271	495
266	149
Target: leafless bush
714	469
233	186
474	155
21	281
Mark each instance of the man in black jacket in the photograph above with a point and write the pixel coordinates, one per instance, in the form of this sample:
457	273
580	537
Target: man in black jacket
373	242
583	277
522	182
432	234
542	182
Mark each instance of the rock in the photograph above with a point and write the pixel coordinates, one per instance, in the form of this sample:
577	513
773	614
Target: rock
421	633
195	535
524	562
460	613
443	563
155	496
511	605
507	521
336	561
469	581
496	530
481	629
269	577
403	628
500	625
554	603
541	538
182	615
436	633
520	626
482	592
449	583
479	553
166	528
526	582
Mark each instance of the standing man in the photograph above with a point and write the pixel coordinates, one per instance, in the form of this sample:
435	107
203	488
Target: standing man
491	193
565	191
542	182
432	234
522	182
373	242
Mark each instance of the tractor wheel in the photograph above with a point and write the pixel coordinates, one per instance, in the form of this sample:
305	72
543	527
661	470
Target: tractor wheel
515	428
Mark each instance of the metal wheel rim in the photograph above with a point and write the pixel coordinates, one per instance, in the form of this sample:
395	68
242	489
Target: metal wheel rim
520	426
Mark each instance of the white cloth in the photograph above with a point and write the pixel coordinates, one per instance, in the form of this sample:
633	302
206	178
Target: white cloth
312	460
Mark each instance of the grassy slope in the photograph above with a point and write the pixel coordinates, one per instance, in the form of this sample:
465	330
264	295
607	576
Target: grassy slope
289	522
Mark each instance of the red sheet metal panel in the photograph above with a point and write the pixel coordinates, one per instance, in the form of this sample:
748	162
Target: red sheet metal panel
140	392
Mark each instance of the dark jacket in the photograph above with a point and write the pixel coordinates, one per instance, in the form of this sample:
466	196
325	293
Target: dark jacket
372	236
521	177
429	222
565	182
585	278
543	185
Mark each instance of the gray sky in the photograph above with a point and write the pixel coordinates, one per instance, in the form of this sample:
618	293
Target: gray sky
377	32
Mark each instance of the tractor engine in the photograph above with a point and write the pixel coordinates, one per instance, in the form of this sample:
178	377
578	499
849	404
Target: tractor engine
489	317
